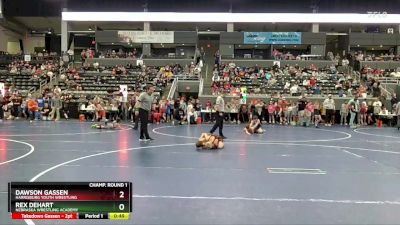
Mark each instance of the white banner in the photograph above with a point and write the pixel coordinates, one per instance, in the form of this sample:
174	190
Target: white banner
146	36
139	62
2	90
124	90
27	58
278	63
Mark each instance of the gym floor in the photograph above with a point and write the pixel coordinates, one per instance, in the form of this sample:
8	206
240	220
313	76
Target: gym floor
288	175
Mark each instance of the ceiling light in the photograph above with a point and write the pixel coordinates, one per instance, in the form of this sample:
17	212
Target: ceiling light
89	28
112	43
381	46
358	45
220	17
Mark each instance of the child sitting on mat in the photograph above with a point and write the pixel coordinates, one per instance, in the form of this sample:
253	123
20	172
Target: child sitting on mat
254	126
114	125
210	141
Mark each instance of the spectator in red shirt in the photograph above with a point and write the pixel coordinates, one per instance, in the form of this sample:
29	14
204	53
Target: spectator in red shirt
313	82
284	108
227	86
83	55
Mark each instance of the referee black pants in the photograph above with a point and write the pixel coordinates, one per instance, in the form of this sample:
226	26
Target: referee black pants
144	120
219	123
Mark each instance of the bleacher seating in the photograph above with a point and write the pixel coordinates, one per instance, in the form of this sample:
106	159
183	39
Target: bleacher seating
102	83
326	80
22	82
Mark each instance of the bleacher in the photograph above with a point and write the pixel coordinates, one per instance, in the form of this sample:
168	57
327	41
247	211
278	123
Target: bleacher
326	81
109	83
22	81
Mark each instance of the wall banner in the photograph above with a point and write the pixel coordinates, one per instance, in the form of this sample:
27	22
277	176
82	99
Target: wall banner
272	38
146	36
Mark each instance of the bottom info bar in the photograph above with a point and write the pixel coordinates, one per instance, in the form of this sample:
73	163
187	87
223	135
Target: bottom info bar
44	216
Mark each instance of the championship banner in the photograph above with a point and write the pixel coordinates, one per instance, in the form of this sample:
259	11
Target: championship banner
146	36
274	38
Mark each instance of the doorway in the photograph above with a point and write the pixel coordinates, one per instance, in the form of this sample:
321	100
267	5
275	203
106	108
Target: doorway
209	41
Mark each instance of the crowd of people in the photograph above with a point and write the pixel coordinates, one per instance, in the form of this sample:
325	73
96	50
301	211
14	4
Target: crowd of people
291	80
119	54
53	103
38	71
388	56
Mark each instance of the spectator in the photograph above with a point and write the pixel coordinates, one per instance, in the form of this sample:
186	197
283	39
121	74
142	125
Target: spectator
301	105
377	108
363	113
397	113
294	89
344	112
354	108
329	105
45	111
243	116
1	107
394	100
197	56
217	57
376	90
33	108
271	112
16	105
317	90
308	112
317	113
56	105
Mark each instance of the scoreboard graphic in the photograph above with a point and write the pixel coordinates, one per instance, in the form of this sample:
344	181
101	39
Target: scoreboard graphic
70	200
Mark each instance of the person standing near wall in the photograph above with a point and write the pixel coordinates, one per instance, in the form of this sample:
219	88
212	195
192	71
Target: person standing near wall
146	101
217	57
197	56
219	115
202	54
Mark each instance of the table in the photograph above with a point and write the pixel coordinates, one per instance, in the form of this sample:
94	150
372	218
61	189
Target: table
390	118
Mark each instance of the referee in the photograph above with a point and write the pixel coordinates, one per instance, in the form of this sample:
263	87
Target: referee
219	116
146	101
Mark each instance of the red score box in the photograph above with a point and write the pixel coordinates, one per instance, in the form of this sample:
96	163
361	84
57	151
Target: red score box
44	216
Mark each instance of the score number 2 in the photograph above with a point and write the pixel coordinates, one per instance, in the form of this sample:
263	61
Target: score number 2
121	206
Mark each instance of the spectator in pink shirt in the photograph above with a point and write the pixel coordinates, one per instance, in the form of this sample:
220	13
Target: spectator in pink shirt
271	112
308	112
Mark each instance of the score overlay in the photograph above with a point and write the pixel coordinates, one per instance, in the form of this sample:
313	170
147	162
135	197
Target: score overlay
70	200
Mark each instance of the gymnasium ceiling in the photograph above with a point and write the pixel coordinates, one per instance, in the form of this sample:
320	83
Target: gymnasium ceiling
46	14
